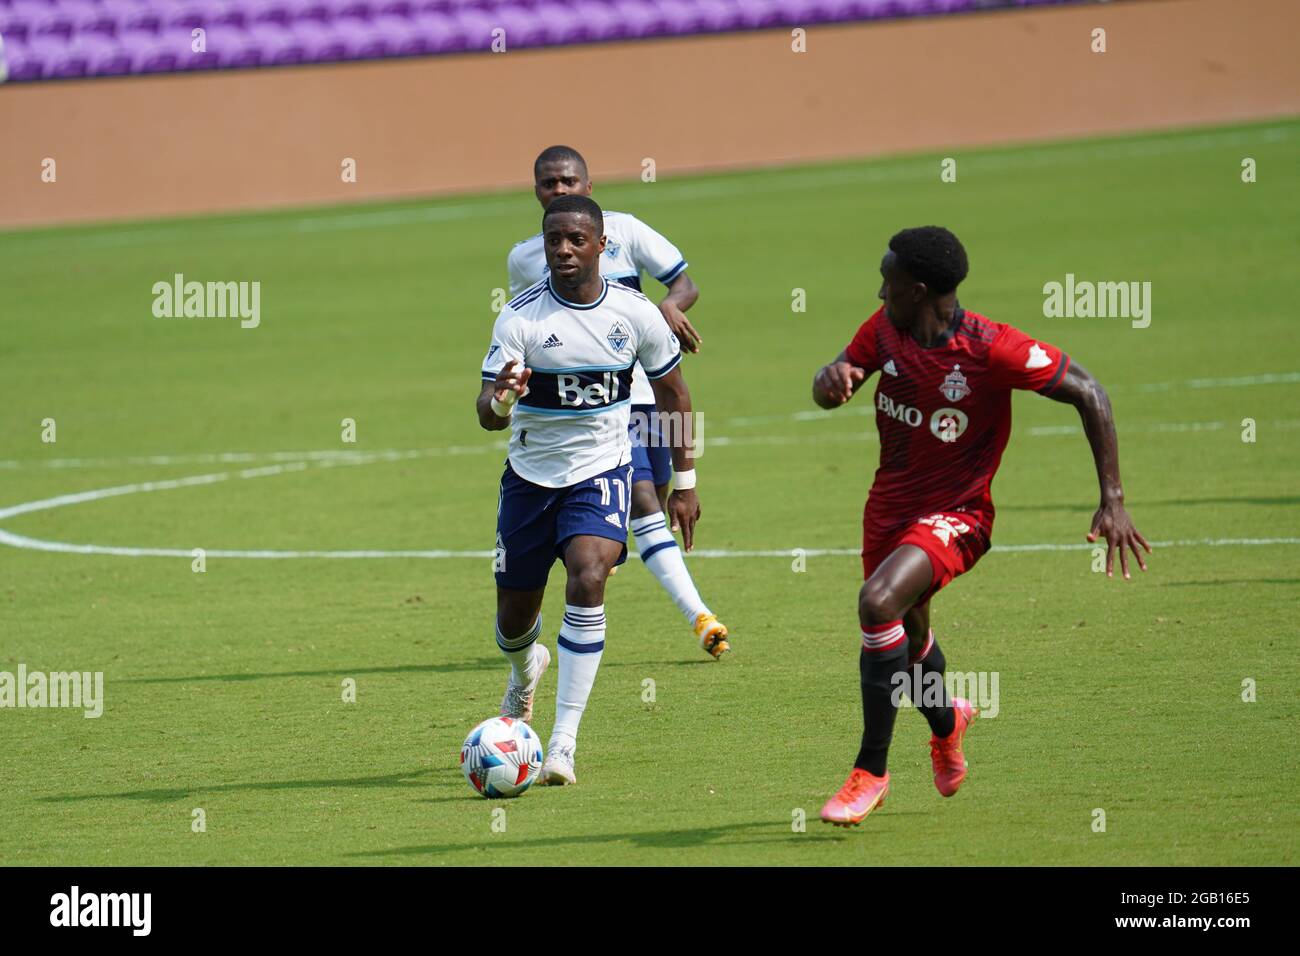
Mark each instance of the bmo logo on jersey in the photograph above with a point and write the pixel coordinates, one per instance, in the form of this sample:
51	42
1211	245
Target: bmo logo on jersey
897	410
577	390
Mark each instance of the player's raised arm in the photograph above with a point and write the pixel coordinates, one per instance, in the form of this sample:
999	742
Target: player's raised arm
505	378
1111	521
835	382
496	400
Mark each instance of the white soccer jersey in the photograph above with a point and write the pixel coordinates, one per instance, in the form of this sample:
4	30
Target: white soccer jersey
572	423
631	247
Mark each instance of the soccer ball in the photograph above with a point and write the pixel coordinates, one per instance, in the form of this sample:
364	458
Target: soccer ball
501	757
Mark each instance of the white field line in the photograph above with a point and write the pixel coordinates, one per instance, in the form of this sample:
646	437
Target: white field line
891	169
327	456
37	544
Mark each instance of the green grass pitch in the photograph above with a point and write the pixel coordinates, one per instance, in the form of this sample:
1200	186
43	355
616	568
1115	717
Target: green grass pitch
223	688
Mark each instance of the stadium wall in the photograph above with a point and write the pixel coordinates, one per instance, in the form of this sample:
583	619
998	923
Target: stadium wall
167	145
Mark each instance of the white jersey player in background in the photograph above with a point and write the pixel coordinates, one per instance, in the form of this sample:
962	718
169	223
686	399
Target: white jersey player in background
558	375
632	247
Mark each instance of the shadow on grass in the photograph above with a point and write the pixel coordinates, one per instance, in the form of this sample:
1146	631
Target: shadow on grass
758	833
412	778
454	667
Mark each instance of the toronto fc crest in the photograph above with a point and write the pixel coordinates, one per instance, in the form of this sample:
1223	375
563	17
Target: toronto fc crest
954	387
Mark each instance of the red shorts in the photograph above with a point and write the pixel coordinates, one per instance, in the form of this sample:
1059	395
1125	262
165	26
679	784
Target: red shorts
953	540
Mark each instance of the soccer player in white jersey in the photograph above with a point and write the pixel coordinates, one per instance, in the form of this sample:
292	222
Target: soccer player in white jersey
632	247
558	374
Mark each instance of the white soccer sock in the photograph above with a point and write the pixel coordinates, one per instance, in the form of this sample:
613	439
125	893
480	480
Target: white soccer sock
519	650
581	643
659	553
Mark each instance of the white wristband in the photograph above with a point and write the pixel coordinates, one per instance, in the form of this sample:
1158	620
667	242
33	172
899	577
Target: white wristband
684	480
507	408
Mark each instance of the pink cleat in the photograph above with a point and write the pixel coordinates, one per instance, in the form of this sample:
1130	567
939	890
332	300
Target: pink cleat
945	752
861	794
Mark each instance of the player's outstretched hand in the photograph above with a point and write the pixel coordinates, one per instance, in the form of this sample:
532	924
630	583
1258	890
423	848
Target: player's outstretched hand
683	512
512	378
837	381
1113	523
681	327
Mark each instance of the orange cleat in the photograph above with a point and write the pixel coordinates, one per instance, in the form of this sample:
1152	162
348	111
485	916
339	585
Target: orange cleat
712	634
946	754
861	794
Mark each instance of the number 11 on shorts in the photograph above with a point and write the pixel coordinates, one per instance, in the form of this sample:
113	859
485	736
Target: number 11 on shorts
603	485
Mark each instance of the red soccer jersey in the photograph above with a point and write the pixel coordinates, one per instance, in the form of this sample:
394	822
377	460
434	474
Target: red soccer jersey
944	413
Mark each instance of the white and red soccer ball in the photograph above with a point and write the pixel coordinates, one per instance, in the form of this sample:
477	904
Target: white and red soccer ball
501	757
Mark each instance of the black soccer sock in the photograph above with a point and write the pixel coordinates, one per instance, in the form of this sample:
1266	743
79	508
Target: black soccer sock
939	715
884	655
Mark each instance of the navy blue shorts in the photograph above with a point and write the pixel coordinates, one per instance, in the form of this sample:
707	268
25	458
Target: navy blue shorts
651	459
534	524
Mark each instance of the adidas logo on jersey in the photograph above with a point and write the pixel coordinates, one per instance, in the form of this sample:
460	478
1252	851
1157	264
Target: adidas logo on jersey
889	368
552	342
613	519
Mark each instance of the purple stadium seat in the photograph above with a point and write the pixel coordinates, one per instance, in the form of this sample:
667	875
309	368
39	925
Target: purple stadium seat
53	21
140	19
25	62
602	20
70	38
17	20
359	9
319	10
396	8
439	32
524	27
82	56
477	26
323	42
95	18
113	59
642	19
718	15
683	16
286	48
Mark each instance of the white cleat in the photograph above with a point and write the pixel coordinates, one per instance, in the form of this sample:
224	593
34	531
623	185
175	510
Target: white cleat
557	770
518	701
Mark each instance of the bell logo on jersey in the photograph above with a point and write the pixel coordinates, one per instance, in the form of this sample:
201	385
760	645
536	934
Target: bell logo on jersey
574	395
954	387
948	424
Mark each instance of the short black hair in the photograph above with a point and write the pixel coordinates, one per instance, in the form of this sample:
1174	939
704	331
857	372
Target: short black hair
933	255
558	154
583	205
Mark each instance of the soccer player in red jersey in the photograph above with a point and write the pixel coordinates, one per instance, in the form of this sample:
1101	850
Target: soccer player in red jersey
943	413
